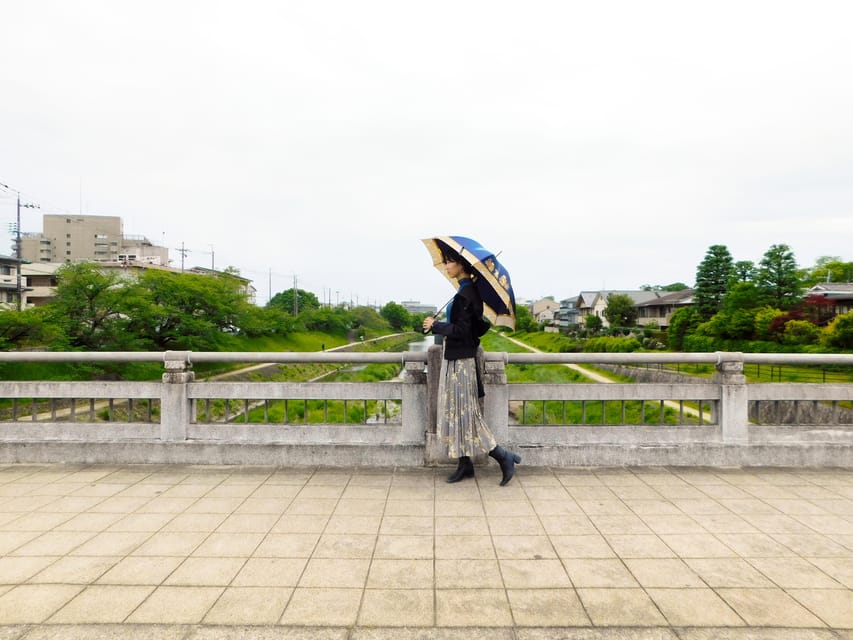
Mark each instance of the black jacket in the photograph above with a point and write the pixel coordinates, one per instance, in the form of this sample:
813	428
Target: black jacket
465	324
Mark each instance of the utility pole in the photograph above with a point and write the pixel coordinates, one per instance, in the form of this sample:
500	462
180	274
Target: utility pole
18	257
183	251
295	297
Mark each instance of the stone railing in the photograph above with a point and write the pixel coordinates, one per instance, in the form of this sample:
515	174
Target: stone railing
178	419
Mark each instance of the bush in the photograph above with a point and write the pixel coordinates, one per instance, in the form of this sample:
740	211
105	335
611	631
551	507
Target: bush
800	332
839	333
612	345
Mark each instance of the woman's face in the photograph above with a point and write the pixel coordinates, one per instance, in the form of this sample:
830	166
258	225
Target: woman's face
454	269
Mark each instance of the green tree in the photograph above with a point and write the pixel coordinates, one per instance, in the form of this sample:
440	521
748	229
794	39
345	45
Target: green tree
524	320
283	300
681	323
188	311
765	323
712	280
675	286
369	319
91	308
27	328
593	323
620	310
779	278
741	295
265	321
744	271
829	269
336	320
397	316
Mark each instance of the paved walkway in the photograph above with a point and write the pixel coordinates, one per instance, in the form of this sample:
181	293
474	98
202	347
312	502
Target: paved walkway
191	552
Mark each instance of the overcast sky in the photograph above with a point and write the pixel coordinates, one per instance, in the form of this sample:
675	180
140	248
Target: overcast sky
595	144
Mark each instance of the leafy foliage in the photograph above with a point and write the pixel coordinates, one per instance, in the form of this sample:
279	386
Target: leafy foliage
839	333
593	323
396	315
620	310
284	301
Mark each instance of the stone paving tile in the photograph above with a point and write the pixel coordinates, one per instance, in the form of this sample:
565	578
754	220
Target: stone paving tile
728	572
426	633
249	605
588	633
534	574
472	607
694	607
794	573
203	572
768	608
323	607
17	569
400	574
757	634
404	547
75	570
101	604
546	607
620	607
397	607
210	552
270	572
833	606
34	603
594	572
141	570
266	633
468	574
176	605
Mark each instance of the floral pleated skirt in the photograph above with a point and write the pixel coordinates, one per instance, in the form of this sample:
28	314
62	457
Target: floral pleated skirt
460	416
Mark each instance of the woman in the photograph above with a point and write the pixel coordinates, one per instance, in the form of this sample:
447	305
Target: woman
460	419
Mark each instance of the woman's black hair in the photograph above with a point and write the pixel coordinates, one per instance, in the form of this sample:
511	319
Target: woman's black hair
450	255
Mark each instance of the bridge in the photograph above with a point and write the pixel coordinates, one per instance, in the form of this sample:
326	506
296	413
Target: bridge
673	420
669	509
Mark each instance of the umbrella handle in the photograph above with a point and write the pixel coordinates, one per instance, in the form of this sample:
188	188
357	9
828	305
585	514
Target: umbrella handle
435	315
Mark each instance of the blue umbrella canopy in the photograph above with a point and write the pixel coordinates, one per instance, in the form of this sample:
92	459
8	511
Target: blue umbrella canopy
492	279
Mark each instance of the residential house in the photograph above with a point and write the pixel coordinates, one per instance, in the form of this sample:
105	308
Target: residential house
41	281
593	303
659	310
544	310
9	283
840	293
567	315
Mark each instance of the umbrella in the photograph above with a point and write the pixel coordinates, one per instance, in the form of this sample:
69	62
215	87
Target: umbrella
492	280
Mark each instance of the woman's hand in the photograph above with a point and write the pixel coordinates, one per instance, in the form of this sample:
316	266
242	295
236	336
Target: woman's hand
428	321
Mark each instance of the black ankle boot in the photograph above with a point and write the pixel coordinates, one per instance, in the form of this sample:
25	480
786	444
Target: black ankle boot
507	461
464	470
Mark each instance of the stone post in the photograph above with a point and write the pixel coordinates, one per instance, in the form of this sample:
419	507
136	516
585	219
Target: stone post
414	401
175	405
496	410
433	451
734	398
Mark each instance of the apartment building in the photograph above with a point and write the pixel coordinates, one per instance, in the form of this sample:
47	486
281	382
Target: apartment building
71	238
